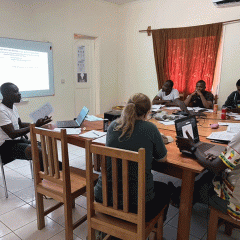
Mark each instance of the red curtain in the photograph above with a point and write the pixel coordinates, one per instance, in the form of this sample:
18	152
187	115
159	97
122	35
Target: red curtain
186	55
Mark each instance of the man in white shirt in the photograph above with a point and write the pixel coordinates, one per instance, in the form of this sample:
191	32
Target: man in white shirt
13	145
167	94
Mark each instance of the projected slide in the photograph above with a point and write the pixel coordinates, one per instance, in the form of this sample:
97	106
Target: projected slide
27	69
28	64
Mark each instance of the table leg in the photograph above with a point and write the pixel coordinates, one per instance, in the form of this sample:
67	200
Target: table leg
185	210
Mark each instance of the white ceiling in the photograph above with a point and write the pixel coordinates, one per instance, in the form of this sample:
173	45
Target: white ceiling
120	1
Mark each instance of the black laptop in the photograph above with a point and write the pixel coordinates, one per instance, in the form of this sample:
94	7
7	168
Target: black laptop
184	110
190	124
76	122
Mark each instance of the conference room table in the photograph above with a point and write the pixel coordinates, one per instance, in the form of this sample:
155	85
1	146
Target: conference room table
177	165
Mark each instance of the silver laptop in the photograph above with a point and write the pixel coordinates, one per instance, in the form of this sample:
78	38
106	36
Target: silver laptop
184	110
76	122
189	124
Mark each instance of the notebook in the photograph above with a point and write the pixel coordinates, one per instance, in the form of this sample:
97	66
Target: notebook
76	122
184	111
190	124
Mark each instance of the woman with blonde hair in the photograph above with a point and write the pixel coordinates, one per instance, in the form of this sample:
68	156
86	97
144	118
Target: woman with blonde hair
130	132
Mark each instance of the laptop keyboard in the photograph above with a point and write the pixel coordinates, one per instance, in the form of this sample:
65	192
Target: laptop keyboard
65	124
205	146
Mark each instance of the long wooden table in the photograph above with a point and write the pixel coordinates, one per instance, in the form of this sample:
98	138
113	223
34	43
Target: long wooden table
177	165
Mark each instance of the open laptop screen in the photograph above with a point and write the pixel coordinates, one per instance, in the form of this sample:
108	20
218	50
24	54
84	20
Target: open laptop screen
81	116
187	124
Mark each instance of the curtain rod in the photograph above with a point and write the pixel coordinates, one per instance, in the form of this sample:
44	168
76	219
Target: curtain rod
149	30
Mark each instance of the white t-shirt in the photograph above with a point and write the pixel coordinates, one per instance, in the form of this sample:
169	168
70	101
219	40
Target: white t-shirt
7	116
171	96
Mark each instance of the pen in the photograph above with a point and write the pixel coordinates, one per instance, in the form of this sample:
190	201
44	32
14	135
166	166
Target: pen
95	134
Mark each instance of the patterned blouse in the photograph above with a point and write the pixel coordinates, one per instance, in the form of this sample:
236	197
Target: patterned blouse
229	187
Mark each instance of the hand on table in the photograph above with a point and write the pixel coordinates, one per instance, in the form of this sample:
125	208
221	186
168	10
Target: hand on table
210	157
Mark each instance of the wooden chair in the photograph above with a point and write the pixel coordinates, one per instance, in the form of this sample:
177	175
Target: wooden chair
113	220
63	186
4	178
213	223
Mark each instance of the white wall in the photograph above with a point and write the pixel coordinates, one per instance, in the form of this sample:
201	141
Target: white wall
56	21
137	71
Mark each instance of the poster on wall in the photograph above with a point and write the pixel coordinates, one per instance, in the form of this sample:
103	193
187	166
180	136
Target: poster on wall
81	61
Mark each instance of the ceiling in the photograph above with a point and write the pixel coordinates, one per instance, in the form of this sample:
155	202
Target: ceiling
120	1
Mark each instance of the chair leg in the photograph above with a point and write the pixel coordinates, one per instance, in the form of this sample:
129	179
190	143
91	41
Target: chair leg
212	225
40	211
68	221
159	233
228	228
73	203
91	233
31	167
4	179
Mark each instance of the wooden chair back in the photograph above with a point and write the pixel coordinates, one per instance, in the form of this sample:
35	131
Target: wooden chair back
62	185
106	217
50	157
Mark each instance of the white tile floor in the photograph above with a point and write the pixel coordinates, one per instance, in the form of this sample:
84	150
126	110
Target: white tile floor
18	215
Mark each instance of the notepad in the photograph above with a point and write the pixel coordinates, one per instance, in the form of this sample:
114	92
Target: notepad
93	134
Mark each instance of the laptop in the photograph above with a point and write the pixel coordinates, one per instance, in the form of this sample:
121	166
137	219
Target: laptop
190	124
184	110
76	122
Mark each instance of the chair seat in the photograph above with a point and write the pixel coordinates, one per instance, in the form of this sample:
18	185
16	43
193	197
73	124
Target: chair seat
127	228
78	184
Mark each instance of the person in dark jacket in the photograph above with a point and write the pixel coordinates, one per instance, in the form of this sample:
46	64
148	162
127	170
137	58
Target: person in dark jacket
233	100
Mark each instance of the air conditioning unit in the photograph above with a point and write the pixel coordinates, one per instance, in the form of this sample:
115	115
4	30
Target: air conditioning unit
226	3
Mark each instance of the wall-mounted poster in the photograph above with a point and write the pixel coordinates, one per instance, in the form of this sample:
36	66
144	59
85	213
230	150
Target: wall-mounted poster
81	61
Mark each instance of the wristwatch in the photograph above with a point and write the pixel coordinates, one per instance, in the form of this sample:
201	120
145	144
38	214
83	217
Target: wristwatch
193	149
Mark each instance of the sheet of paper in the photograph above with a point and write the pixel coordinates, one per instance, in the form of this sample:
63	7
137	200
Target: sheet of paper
101	140
233	127
209	110
223	123
93	118
167	122
93	134
233	114
196	109
41	112
224	136
157	107
173	108
69	130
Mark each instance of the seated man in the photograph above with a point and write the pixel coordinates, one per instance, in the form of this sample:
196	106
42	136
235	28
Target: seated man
233	100
167	94
12	129
200	97
220	185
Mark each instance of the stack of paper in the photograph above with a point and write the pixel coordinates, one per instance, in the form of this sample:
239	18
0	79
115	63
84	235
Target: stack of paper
222	136
69	130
